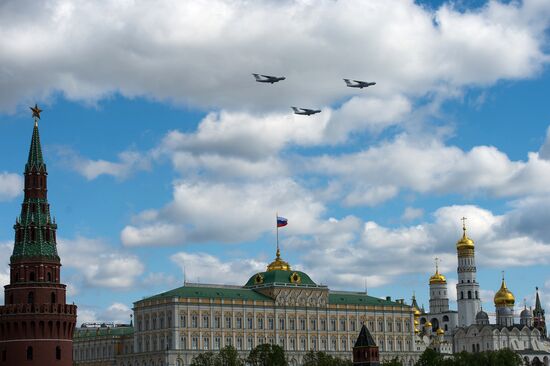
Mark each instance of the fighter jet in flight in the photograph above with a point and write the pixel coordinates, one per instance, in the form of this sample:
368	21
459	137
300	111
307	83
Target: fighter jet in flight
305	111
267	78
358	83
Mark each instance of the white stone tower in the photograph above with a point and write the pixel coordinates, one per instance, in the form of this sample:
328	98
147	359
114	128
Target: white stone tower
504	304
467	288
439	300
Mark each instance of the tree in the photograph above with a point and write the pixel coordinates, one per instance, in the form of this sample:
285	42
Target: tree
313	358
430	357
267	355
394	362
228	356
204	359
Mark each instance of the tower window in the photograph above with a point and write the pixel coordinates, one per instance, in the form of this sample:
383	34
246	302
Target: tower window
461	295
49	277
58	353
53	297
4	355
469	294
30	298
29	353
477	295
32	277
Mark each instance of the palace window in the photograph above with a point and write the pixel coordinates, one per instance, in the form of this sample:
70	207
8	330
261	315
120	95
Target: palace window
260	323
194	343
239	343
314	344
205	343
161	321
302	324
344	345
228	322
281	323
183	321
217	342
313	324
205	321
292	344
239	323
352	325
250	321
303	344
333	324
291	324
217	322
250	343
333	344
323	324
390	326
194	321
228	341
270	323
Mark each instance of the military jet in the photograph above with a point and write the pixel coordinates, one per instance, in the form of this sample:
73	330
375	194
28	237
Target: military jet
305	111
358	83
268	79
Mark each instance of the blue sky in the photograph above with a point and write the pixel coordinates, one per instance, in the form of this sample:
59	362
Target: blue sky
164	154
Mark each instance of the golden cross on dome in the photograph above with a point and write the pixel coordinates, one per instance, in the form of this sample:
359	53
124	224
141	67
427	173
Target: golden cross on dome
436	264
464	224
36	113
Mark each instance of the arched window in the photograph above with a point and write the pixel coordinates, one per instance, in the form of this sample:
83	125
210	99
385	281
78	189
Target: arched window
469	294
53	297
32	277
30	298
461	295
49	277
58	353
477	295
29	353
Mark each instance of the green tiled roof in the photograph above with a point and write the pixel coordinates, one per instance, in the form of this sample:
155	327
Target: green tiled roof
35	152
358	298
211	293
279	276
102	332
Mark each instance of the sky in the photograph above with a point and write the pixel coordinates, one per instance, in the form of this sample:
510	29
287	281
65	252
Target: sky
168	162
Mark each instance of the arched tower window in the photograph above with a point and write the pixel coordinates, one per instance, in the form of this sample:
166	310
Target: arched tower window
53	297
32	277
49	277
469	294
461	295
58	353
30	298
477	295
29	353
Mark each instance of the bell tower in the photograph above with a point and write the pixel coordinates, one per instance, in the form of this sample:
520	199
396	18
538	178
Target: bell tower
36	324
467	288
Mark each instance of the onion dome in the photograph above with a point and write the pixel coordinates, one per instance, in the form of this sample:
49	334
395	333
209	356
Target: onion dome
440	331
278	264
428	325
415	322
464	242
504	297
525	313
481	315
416	330
437	278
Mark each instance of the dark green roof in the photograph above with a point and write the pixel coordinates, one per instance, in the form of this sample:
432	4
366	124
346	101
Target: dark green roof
279	277
359	298
102	332
35	152
220	292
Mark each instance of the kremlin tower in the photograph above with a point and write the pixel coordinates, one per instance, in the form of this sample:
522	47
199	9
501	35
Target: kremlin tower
36	324
467	288
538	317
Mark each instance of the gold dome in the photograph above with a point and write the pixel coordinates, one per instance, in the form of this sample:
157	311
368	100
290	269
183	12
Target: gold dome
417	313
504	296
415	322
437	278
278	264
416	330
464	242
427	325
440	331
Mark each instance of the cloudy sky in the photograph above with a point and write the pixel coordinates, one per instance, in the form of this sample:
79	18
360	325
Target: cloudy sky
165	157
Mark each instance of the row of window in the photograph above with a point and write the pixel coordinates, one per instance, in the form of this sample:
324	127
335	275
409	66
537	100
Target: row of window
301	324
30	353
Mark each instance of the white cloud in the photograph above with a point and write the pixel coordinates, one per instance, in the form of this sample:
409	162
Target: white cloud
169	52
5	252
11	186
128	163
412	213
98	264
206	268
430	166
225	212
117	313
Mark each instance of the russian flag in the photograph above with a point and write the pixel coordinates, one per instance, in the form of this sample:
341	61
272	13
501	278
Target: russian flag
281	221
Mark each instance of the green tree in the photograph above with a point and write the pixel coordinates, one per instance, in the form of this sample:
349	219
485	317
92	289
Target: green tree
228	356
204	359
323	359
267	355
394	362
430	357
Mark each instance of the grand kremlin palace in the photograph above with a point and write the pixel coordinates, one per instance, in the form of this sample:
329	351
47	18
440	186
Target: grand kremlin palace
278	306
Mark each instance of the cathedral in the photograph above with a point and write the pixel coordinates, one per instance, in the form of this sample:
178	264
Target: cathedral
468	329
36	323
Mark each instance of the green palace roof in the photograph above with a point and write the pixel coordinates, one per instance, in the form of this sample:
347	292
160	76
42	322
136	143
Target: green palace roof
102	332
218	292
280	277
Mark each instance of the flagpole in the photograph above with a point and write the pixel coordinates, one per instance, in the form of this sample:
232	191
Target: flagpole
277	225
